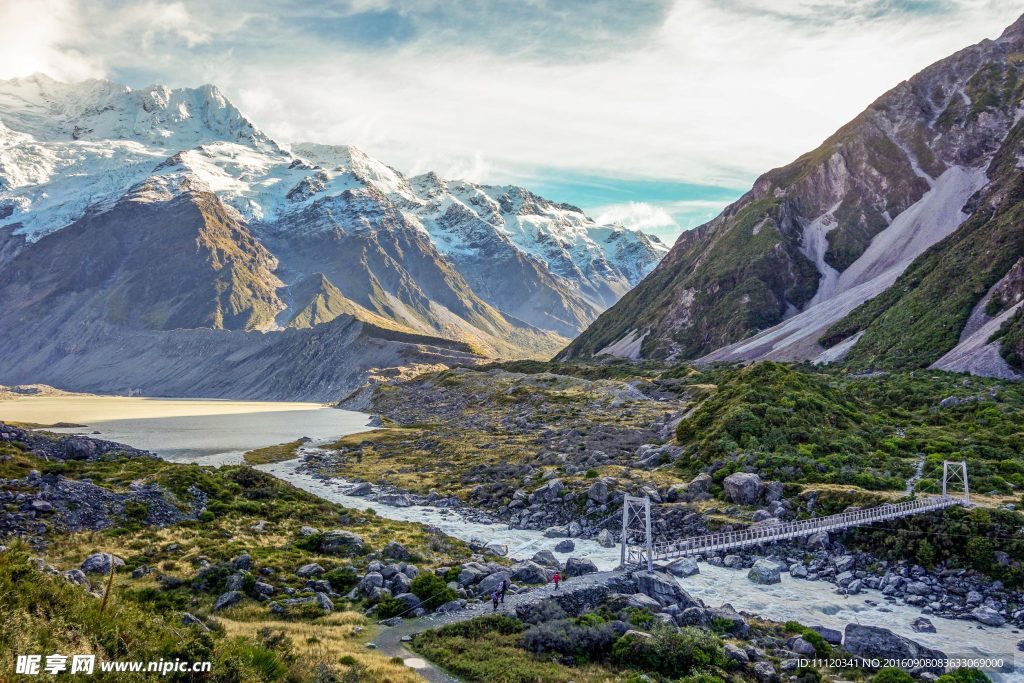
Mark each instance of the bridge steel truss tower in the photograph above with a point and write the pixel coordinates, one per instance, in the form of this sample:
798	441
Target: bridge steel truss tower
953	472
636	520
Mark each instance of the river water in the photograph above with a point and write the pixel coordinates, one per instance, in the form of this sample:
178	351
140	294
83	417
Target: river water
207	431
218	432
814	603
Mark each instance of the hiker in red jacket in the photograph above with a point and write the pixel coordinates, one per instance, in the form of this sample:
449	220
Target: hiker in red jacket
556	578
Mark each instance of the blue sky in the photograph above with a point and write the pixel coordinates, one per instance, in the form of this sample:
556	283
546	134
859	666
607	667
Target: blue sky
654	113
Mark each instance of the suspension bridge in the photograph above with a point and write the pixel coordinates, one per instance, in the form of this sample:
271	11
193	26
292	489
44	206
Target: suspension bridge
636	524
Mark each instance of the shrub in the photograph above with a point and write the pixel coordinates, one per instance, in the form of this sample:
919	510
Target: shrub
892	675
432	590
206	516
964	676
591	474
587	641
342	579
668	652
389	607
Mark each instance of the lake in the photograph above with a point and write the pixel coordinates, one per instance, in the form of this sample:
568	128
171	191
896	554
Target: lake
207	431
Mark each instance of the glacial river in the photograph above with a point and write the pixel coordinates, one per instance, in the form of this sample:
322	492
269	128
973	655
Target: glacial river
809	602
218	432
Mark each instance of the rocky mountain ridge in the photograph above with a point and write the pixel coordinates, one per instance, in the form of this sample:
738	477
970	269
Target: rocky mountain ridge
901	221
132	214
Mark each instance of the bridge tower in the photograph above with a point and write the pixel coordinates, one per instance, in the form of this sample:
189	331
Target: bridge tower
636	518
953	472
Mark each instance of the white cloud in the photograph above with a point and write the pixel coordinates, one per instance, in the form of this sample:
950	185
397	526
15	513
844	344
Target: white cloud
712	92
34	36
636	216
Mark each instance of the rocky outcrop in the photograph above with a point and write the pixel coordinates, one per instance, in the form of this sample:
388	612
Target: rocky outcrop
743	487
875	642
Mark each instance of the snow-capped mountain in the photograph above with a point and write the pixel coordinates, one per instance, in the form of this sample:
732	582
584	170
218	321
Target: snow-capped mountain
199	220
897	243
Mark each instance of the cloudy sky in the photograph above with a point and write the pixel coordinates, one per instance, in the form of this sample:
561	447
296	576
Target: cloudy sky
655	113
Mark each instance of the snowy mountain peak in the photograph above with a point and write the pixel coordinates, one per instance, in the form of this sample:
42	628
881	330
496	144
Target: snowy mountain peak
102	110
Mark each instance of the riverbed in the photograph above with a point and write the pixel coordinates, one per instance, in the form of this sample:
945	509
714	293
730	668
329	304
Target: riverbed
206	431
814	603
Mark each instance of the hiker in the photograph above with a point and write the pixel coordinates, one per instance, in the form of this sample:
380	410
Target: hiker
504	589
556	578
494	600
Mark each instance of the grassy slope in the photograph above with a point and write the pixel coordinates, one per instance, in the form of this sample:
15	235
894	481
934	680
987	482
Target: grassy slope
53	614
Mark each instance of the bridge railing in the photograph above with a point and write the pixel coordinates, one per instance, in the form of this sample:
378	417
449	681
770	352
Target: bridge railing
710	543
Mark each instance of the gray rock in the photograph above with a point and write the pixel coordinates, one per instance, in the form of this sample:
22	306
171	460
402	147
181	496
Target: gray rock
577	566
99	563
798	571
341	542
831	636
801	647
744	488
818	539
663	588
922	625
987	616
530	572
598	492
764	572
77	577
361	489
309	570
263	588
397	551
877	642
606	539
565	546
492	583
307	531
546	558
453	606
243	561
687	566
227	600
764	672
736	654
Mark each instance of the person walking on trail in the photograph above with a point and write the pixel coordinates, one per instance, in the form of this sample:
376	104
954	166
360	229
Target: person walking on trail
504	589
556	578
494	600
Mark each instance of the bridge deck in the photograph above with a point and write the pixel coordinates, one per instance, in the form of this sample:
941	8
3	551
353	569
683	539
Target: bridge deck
732	540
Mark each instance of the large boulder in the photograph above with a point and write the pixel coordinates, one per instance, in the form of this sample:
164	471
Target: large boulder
530	572
492	583
606	539
397	551
565	546
872	642
310	570
987	616
687	566
578	566
663	588
598	492
699	487
764	572
227	600
745	488
546	558
99	563
341	542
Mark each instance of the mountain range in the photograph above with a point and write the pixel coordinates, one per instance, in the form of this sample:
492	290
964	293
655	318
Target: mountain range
896	244
155	240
